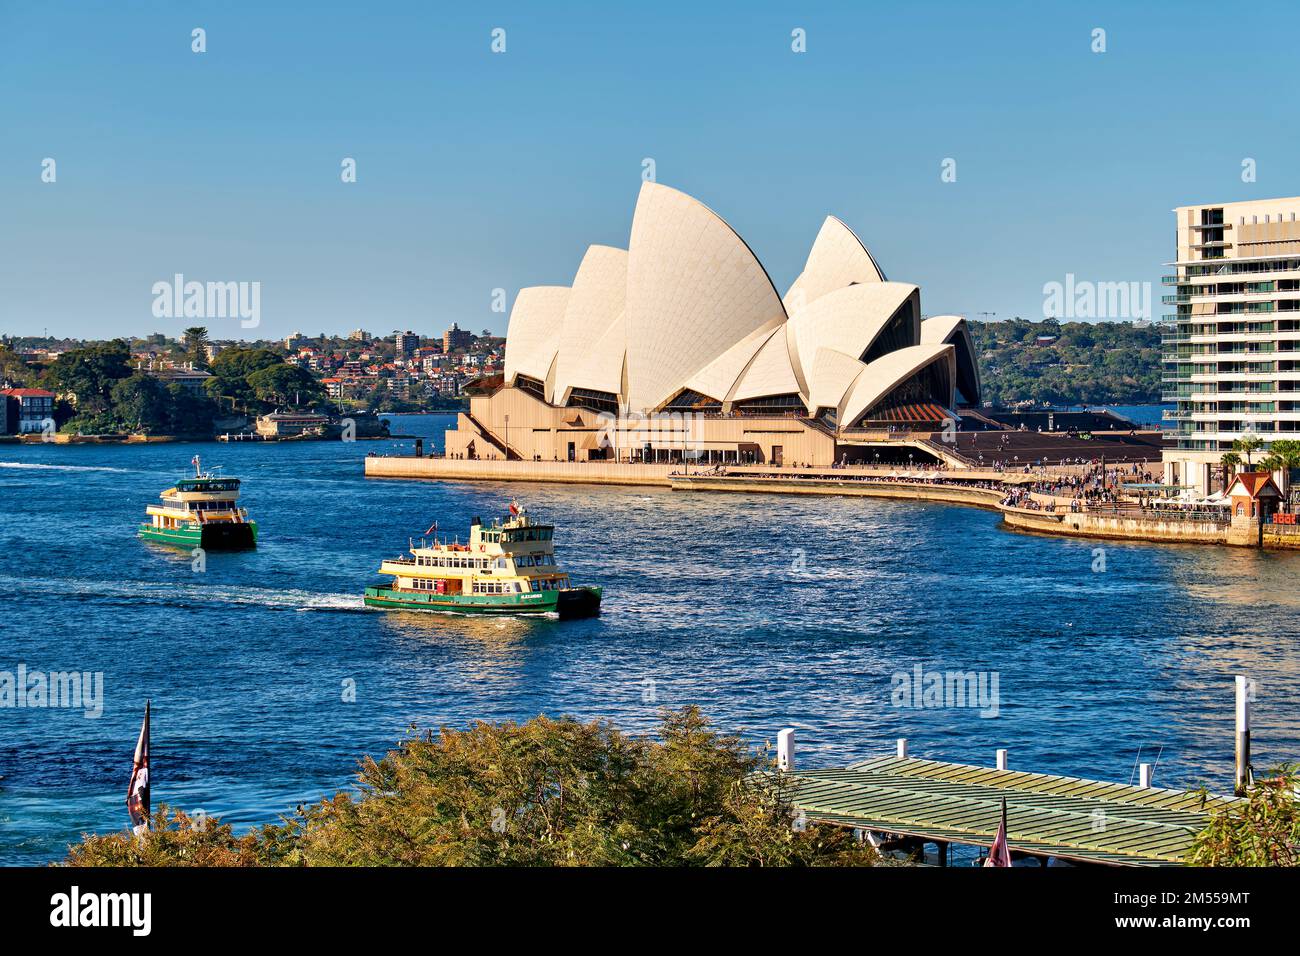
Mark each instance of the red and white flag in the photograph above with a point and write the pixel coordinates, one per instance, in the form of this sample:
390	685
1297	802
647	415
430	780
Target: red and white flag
999	853
137	793
514	507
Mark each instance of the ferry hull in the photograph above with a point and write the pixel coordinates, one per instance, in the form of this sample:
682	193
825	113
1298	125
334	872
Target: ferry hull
569	603
226	536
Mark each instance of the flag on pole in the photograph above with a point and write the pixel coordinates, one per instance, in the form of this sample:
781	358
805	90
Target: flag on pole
514	507
137	792
999	853
433	528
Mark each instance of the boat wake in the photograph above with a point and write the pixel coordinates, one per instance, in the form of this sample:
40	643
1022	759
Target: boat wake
197	594
37	466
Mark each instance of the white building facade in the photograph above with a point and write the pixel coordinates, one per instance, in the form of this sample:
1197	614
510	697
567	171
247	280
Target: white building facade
1231	349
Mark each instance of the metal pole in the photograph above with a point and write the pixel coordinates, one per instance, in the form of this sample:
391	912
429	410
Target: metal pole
1002	760
1243	735
902	748
785	749
1144	775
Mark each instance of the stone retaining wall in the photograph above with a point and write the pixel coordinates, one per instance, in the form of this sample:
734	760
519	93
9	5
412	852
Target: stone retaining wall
979	497
1111	526
471	469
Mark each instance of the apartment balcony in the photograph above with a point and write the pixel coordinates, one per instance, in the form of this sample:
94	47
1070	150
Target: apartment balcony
1209	292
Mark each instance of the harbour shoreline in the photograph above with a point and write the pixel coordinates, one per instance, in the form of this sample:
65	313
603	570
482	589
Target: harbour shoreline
979	489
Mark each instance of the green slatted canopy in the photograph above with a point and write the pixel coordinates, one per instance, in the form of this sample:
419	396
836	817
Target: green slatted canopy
1085	821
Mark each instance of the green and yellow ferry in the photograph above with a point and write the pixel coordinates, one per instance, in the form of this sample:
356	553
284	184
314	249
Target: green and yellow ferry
201	512
507	567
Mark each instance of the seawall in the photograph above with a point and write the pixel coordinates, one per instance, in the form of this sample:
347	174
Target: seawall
798	481
477	469
910	491
1085	525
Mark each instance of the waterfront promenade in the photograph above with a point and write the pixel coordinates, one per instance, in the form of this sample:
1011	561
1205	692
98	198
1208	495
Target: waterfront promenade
1017	495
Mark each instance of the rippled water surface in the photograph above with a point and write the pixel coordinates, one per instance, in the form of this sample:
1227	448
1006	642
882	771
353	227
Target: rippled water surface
766	611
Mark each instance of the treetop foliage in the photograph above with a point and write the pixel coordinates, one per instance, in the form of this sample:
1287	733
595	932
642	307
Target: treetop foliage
546	792
1068	363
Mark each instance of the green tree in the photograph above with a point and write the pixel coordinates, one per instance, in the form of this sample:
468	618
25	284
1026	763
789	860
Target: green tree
89	374
196	337
141	404
14	370
1264	830
1283	457
542	793
230	371
286	385
1248	445
189	413
1230	462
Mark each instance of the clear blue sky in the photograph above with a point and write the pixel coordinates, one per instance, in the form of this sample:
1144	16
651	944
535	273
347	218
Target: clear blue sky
478	170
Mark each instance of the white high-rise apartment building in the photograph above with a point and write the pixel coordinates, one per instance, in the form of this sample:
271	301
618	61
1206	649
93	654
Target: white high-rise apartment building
1231	350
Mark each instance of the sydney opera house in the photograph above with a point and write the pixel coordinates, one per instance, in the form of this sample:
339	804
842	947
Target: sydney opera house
681	347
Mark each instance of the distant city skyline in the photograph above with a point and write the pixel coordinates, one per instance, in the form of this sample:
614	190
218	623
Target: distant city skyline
982	156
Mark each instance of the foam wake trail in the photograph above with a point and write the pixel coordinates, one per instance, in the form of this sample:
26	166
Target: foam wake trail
37	466
193	594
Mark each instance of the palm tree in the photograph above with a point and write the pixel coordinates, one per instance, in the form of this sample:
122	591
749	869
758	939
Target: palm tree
1247	445
1283	456
1229	461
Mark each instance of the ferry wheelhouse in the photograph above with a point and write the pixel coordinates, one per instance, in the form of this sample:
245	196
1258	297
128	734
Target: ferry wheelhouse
507	567
201	512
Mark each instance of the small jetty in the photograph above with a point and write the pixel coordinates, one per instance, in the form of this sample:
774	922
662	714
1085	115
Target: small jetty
904	803
907	802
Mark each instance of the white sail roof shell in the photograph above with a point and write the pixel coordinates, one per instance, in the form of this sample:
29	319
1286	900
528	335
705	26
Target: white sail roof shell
689	306
837	259
848	320
770	373
891	370
719	378
586	353
939	328
533	334
955	330
694	289
832	375
601	366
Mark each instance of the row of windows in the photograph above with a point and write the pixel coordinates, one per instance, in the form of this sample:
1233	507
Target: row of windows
480	564
540	533
458	561
1273	265
492	587
496	587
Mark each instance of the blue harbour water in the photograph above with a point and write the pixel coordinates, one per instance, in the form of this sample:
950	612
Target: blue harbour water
767	611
